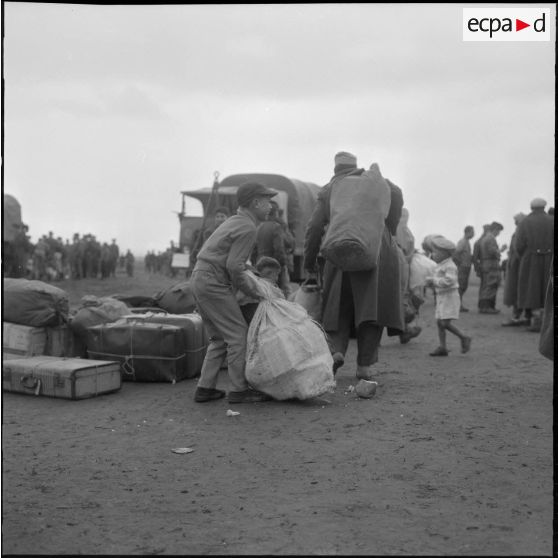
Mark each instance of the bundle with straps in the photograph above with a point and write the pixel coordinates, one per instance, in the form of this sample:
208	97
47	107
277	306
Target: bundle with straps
34	303
288	356
359	205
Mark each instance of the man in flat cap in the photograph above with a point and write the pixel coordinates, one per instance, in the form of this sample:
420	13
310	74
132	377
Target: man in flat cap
217	275
368	300
535	246
489	253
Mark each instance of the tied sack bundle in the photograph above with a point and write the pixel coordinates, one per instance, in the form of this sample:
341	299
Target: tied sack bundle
359	205
34	303
176	299
288	356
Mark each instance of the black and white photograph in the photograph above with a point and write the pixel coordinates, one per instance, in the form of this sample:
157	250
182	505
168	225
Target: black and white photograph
278	279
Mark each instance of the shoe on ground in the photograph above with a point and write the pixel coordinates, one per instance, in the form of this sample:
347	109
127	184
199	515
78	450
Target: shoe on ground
512	322
466	344
412	332
463	309
439	352
405	337
365	372
203	395
248	396
338	361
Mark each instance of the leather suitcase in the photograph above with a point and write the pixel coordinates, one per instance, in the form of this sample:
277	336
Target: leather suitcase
195	336
19	341
147	352
67	378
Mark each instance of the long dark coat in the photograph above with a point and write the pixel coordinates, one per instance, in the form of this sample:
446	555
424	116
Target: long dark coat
535	245
512	274
377	293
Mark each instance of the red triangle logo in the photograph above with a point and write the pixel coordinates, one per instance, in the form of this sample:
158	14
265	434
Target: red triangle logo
519	25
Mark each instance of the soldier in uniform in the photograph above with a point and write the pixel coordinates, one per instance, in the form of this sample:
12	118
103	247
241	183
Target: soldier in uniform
489	253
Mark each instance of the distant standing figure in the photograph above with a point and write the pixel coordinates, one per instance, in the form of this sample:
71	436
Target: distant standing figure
476	253
114	254
535	246
463	258
512	278
489	269
445	282
129	259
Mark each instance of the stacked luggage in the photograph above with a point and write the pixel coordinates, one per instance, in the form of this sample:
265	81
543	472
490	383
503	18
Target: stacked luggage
152	347
35	317
41	341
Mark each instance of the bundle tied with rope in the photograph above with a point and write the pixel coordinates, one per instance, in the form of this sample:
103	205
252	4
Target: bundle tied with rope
287	353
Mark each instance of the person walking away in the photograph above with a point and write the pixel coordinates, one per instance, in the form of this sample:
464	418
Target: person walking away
448	302
490	269
535	246
217	275
463	259
512	278
368	300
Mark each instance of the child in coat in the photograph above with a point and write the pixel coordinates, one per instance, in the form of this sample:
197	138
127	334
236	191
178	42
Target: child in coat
444	281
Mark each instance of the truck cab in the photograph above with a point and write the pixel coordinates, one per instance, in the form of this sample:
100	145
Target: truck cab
295	197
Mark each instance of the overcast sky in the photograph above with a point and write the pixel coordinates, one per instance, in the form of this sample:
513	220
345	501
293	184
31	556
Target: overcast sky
111	111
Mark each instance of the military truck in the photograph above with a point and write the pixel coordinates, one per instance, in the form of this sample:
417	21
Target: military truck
295	197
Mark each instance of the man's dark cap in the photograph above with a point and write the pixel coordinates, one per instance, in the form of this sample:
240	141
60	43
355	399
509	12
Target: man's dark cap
251	190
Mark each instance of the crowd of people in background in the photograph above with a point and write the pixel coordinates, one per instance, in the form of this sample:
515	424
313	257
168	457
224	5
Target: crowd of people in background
53	259
524	274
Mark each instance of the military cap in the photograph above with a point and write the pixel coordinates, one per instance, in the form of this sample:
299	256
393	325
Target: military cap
251	190
537	202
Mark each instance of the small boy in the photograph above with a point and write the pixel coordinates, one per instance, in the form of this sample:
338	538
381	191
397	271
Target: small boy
268	269
448	302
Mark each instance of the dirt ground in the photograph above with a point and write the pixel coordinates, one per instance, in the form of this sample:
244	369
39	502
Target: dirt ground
453	456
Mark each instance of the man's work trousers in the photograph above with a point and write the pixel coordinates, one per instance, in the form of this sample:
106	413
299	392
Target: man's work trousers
368	334
490	280
226	328
463	279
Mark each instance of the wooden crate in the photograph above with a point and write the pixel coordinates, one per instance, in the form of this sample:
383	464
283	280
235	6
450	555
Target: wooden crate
19	341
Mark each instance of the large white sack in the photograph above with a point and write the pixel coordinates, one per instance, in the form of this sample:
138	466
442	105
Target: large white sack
288	356
421	267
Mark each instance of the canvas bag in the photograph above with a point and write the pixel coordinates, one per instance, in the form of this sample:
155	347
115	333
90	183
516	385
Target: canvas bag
34	303
176	299
359	205
287	353
309	296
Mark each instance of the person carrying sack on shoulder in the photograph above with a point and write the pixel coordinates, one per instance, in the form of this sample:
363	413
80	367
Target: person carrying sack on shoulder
368	298
217	275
